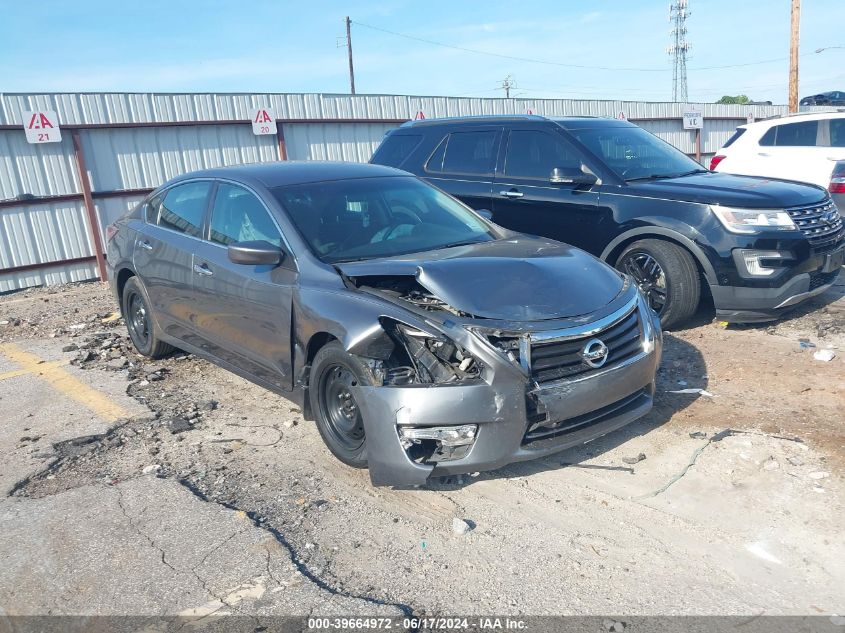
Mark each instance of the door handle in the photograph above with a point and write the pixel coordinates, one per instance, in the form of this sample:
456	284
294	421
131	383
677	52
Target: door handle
511	194
762	154
202	270
145	245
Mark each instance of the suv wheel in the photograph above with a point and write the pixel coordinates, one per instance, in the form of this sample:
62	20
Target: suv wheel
136	313
339	419
667	276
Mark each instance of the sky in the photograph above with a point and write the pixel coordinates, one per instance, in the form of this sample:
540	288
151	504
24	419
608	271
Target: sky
266	46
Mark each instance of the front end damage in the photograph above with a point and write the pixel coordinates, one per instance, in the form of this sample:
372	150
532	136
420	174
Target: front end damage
457	393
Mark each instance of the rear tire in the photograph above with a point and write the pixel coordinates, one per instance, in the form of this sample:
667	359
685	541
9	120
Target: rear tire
339	420
139	322
667	275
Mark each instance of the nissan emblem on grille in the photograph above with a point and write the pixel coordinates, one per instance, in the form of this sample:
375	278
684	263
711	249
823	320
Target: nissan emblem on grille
595	353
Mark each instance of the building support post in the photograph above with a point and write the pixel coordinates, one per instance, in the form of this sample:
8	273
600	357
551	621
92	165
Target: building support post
90	209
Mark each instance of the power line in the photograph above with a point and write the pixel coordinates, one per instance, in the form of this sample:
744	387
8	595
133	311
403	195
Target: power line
561	64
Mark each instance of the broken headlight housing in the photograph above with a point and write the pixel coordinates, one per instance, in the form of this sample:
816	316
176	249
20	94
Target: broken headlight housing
431	444
431	358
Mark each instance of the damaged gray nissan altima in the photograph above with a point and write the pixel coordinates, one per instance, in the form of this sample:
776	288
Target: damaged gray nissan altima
423	339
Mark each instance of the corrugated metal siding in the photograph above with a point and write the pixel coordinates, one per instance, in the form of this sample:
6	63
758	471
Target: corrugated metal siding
55	275
42	170
137	158
87	108
41	233
354	142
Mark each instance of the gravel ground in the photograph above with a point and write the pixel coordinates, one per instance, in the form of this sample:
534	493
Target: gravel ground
713	504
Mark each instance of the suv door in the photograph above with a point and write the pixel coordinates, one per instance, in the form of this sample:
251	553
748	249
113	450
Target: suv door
463	163
525	200
163	252
796	151
242	313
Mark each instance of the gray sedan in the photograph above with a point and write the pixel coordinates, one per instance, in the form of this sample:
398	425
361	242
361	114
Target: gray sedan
422	338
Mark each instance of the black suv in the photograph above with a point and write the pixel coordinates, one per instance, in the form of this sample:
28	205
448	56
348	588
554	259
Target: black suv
758	246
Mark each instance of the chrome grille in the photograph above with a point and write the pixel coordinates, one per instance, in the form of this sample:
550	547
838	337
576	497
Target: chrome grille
821	223
554	360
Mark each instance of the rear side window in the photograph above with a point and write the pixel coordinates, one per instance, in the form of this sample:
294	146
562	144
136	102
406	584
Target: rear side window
238	216
395	148
739	132
465	153
533	154
837	132
183	207
801	134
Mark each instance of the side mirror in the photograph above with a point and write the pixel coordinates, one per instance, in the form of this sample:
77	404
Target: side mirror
255	253
572	176
487	214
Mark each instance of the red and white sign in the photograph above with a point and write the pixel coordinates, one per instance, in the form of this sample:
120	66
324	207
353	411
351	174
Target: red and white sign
41	126
263	121
621	116
419	116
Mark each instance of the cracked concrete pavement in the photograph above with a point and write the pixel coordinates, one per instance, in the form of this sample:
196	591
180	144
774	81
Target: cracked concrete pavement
244	511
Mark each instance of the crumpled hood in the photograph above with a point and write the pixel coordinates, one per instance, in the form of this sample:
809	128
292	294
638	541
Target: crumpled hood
521	279
731	190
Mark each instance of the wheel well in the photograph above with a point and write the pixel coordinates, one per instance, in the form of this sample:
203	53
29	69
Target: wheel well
122	277
617	251
315	344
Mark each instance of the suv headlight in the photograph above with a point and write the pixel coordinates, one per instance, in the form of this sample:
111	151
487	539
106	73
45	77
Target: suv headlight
753	220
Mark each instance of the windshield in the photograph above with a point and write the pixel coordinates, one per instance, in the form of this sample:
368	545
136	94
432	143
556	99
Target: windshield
634	154
345	220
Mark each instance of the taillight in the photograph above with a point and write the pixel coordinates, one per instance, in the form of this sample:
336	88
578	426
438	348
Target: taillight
718	158
837	185
111	231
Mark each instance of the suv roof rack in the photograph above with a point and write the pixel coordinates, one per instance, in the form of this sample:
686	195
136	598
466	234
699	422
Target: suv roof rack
477	118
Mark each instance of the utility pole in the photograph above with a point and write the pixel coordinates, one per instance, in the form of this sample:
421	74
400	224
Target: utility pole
508	83
349	51
678	13
793	56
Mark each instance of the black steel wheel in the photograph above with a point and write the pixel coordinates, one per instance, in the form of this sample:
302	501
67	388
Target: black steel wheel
331	391
339	408
667	275
139	322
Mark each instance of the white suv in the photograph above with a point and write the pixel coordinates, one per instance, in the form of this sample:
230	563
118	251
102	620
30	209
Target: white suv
803	147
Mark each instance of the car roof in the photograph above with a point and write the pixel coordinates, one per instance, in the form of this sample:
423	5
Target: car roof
798	116
295	172
566	122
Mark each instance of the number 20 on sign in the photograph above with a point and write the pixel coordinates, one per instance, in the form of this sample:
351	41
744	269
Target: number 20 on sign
41	126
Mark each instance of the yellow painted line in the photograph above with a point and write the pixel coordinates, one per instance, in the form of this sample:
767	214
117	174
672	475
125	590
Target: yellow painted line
64	382
23	372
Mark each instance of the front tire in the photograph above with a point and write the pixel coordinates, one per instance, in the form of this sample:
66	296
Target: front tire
667	276
339	419
139	322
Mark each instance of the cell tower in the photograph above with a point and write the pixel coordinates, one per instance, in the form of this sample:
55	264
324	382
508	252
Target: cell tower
678	14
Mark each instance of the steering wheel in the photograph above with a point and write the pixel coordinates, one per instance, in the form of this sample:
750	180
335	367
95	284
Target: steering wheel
401	211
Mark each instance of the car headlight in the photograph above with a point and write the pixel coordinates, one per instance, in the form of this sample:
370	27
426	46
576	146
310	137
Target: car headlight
753	220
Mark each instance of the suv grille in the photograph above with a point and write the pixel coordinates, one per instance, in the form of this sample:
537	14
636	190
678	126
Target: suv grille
819	279
821	223
562	359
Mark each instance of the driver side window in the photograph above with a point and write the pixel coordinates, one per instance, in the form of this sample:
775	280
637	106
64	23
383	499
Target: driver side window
533	154
238	216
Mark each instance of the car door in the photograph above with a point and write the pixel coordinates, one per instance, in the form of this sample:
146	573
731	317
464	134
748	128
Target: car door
163	253
796	151
525	200
462	165
242	313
